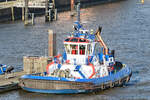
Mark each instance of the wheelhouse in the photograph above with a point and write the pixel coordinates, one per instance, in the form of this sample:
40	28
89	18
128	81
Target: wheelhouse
78	49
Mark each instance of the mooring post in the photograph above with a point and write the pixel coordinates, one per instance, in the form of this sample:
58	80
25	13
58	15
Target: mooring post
46	10
53	3
78	12
32	18
55	14
49	15
26	12
22	13
72	5
12	13
51	43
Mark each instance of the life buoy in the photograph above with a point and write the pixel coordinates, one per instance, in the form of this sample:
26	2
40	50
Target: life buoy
67	61
59	55
89	59
93	71
56	58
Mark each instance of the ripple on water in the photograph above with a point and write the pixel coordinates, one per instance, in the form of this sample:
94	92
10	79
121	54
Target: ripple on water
126	27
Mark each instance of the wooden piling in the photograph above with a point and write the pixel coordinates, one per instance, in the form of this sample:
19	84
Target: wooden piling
51	43
12	13
26	12
53	3
23	14
72	5
32	18
55	17
46	10
49	15
78	12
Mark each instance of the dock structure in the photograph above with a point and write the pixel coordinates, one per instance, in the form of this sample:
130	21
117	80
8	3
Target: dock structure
31	64
10	81
31	3
8	7
50	10
9	4
25	5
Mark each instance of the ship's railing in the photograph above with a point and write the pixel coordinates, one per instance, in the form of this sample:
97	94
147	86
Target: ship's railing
31	4
21	3
7	4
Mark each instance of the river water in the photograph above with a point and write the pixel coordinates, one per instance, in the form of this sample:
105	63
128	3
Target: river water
126	29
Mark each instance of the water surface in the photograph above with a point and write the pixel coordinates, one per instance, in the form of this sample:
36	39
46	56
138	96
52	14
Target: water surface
126	29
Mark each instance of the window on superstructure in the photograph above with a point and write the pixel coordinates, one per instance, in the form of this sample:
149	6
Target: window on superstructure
82	49
82	40
74	49
67	40
74	40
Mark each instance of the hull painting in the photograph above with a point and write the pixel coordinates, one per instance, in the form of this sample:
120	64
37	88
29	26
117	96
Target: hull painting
100	83
62	91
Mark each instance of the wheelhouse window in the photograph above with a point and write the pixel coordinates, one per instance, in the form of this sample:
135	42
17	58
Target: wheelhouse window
74	40
67	39
82	40
82	49
74	49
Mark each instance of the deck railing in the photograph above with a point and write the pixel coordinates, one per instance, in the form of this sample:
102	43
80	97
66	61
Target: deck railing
7	4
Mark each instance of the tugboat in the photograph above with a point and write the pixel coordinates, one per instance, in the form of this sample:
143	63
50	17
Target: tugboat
86	65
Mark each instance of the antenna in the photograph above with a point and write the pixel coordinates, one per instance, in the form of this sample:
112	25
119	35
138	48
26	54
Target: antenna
78	12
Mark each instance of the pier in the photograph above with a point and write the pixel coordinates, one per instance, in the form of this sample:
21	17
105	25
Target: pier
10	81
26	5
19	9
31	64
8	4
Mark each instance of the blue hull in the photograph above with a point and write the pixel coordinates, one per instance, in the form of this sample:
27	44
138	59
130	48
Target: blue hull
63	91
101	83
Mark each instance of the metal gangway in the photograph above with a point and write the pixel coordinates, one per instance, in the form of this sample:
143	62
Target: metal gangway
7	4
32	4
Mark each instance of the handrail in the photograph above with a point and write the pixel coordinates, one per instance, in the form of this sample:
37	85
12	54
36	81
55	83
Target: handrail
7	4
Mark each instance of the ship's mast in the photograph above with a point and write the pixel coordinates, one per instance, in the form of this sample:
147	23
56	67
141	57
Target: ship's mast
78	12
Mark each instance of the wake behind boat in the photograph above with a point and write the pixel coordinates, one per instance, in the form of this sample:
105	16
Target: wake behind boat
86	65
